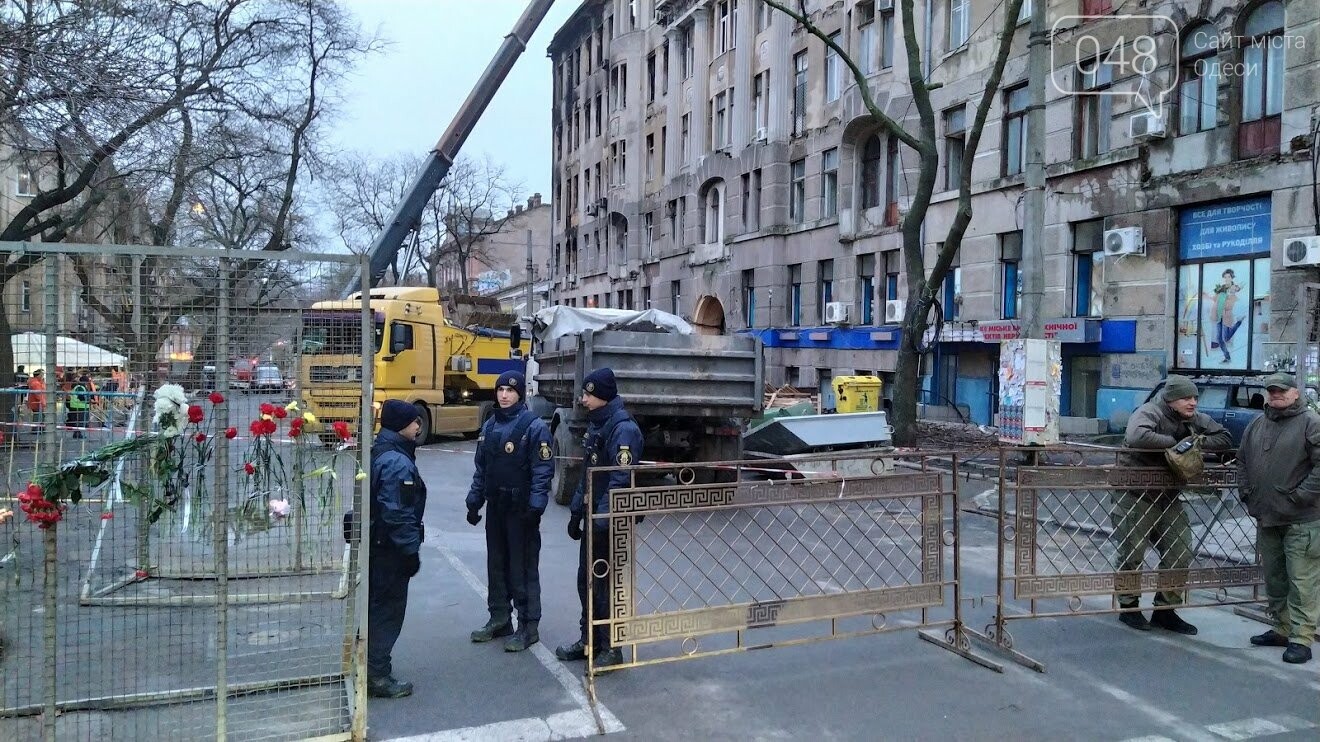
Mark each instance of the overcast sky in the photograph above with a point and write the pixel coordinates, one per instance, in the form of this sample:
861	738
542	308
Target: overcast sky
402	99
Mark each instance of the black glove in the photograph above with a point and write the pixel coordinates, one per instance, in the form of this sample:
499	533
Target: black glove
411	564
532	517
575	527
473	517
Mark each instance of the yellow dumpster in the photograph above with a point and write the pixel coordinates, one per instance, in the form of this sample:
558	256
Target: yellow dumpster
857	394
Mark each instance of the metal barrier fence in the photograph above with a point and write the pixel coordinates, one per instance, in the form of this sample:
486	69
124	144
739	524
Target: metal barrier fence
1080	532
201	587
840	545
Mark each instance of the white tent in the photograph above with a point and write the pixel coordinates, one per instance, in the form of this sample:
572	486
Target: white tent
30	351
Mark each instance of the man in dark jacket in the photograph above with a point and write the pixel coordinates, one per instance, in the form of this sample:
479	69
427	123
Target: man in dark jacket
514	467
613	439
1279	481
1154	517
398	502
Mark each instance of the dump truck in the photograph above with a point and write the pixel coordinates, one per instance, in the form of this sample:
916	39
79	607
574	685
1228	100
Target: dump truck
692	395
447	371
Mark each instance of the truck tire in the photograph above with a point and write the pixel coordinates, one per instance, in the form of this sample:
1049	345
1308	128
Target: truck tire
425	415
567	474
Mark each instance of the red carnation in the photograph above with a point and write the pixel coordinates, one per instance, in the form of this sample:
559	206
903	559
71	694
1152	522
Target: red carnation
195	413
217	398
107	516
281	413
34	490
341	430
268	426
267	408
249	468
231	433
295	432
200	437
257	427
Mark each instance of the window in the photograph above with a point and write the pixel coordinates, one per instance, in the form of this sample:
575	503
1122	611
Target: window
713	214
764	14
887	38
671	213
664	148
866	287
895	167
829	182
752	202
891	274
1262	82
1097	7
721	124
600	113
799	93
664	69
25	296
650	77
620	227
648	237
952	289
1088	268
749	297
825	277
797	202
1010	259
619	162
872	160
760	104
1024	13
1094	111
632	14
1015	129
726	14
586	181
833	69
955	145
586	117
795	294
959	22
687	52
646	297
650	156
684	136
27	183
1198	82
675	296
865	14
619	87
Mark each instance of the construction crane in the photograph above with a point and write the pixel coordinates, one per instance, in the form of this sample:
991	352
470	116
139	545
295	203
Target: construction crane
407	215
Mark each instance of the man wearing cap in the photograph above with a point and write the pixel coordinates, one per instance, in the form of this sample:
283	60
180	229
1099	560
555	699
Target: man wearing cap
514	466
1154	517
613	439
398	502
1279	481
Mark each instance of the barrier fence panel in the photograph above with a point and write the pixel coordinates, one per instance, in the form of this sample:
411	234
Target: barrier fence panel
819	548
198	585
1083	533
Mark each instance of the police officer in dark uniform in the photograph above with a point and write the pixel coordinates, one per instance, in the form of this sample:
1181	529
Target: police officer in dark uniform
613	439
514	467
398	501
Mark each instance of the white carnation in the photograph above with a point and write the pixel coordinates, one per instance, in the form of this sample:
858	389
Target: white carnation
170	407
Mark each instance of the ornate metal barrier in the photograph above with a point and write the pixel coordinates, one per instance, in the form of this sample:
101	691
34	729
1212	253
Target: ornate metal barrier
781	556
1079	533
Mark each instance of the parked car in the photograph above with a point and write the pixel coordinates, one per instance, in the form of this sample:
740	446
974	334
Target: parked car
1233	401
267	379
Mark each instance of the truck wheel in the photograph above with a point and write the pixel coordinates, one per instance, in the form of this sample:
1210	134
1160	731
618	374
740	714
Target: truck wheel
567	474
425	415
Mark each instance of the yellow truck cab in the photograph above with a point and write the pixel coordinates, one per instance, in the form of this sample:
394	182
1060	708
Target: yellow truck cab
448	372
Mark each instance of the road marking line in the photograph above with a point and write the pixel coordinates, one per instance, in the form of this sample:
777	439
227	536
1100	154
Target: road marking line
568	680
1246	728
1150	738
567	725
1173	722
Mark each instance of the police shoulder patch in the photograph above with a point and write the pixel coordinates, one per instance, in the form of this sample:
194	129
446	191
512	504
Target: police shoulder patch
545	453
624	457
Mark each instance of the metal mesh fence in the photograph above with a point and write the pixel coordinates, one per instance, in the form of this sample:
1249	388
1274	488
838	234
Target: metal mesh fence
197	585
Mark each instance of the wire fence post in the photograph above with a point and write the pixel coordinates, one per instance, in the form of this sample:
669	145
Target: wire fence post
50	570
220	503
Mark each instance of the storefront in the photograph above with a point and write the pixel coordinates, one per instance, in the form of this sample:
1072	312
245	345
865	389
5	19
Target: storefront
1222	316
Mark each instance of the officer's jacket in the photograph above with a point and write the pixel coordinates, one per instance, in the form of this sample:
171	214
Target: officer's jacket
518	472
398	494
613	439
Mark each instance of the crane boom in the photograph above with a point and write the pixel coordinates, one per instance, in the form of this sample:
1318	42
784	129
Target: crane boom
408	213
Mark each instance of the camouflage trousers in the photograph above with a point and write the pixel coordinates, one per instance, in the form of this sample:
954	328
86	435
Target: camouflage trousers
1142	521
1290	558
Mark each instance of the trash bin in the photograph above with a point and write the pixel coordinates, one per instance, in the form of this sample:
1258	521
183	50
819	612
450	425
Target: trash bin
857	394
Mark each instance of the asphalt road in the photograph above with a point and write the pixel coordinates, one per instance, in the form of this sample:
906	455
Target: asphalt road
1103	681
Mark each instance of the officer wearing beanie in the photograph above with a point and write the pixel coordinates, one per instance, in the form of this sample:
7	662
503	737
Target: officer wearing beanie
1155	517
398	502
613	439
515	464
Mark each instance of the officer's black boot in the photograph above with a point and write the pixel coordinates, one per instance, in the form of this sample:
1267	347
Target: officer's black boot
523	638
608	657
492	630
1166	619
1135	619
570	652
388	687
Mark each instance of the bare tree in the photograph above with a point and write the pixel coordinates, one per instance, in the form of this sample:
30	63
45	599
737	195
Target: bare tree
363	192
475	202
923	282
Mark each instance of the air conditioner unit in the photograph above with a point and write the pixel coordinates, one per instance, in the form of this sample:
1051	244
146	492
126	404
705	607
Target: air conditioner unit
884	5
1301	252
572	279
836	312
592	210
894	309
1145	126
761	134
1124	241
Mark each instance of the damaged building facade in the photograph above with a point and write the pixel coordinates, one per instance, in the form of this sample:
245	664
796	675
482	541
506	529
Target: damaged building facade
714	160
